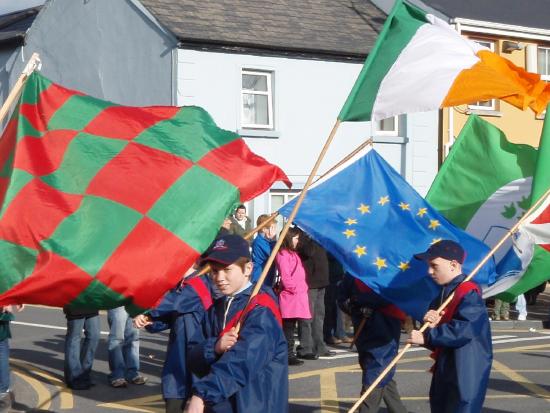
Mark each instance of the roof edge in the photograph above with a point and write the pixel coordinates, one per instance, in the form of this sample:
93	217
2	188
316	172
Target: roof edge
511	30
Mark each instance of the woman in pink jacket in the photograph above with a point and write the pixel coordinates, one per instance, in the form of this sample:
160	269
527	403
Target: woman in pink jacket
293	299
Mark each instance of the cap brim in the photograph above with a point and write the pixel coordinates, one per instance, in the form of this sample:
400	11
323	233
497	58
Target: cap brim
424	256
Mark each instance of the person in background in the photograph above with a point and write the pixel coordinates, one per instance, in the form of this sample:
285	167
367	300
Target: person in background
293	298
123	346
333	326
79	353
315	261
240	223
261	250
501	310
6	394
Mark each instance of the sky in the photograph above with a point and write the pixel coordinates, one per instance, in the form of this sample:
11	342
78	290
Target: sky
8	6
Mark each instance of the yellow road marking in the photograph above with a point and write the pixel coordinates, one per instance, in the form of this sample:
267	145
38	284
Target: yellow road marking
66	400
44	400
147	404
521	380
329	395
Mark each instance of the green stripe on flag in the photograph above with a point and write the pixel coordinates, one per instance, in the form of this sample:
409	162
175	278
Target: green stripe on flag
89	236
18	180
16	262
197	186
83	159
481	162
77	112
34	85
539	269
190	134
98	295
399	28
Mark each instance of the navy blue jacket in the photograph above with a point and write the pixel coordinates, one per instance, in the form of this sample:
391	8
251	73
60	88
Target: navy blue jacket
181	310
250	377
378	341
461	373
261	250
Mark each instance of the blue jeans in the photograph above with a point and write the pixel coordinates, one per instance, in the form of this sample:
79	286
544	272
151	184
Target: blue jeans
123	345
79	354
4	365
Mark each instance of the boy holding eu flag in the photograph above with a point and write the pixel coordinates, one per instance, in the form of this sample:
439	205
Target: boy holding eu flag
460	336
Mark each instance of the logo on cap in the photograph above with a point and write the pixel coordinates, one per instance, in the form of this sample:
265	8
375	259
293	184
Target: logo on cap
220	245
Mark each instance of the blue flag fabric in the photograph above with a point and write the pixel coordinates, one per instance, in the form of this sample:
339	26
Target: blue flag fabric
373	222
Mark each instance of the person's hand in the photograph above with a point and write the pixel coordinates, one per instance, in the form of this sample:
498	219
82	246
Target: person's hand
142	320
416	337
194	405
7	309
226	341
432	317
19	307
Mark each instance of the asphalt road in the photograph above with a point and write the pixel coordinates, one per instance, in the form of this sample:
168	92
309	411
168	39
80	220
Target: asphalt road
520	380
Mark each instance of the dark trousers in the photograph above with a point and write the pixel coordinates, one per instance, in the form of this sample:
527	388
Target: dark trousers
389	394
289	328
174	405
311	331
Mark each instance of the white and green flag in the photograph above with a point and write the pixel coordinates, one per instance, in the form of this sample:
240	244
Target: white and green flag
484	186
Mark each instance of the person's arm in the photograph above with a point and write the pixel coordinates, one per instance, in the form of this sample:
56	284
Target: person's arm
238	367
201	353
467	323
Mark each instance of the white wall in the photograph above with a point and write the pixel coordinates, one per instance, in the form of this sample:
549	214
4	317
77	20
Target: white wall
308	97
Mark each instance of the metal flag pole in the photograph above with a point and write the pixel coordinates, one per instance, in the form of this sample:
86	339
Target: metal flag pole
448	300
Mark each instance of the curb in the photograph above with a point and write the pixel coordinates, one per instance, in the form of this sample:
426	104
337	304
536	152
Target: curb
519	325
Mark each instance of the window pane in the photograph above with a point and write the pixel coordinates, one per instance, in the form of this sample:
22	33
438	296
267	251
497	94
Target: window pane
485	103
255	82
387	124
255	109
542	61
277	202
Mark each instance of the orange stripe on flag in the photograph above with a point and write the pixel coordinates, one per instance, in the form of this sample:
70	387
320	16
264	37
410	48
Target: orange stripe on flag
495	77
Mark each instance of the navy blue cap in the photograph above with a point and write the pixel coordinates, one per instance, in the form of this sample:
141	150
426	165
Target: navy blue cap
446	249
227	249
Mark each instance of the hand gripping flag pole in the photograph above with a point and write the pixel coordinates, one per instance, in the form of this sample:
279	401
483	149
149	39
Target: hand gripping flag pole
32	65
448	300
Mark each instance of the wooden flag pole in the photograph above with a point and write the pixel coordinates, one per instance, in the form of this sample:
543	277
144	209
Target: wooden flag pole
448	300
291	218
32	64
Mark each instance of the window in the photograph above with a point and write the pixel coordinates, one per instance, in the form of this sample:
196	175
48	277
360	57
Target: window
277	198
389	126
543	62
485	104
257	100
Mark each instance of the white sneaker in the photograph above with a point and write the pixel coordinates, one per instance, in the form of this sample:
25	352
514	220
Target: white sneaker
522	317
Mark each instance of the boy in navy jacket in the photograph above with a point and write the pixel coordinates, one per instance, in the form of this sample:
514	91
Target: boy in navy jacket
181	310
378	342
245	371
460	337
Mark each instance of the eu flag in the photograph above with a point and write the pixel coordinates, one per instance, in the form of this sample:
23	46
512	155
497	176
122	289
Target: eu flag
373	222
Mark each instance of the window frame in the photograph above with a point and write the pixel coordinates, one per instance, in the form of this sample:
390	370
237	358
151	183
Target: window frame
491	45
547	49
394	132
269	93
288	194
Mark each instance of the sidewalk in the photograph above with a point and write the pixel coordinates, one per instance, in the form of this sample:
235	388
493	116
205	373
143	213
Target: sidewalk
538	316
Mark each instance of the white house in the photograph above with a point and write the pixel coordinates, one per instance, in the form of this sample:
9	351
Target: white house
276	72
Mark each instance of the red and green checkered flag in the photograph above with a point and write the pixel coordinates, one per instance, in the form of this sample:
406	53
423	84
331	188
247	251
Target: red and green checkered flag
105	205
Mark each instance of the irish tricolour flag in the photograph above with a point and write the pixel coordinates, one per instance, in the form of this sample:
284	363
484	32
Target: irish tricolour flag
420	63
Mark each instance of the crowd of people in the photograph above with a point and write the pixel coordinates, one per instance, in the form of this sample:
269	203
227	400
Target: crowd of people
224	354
